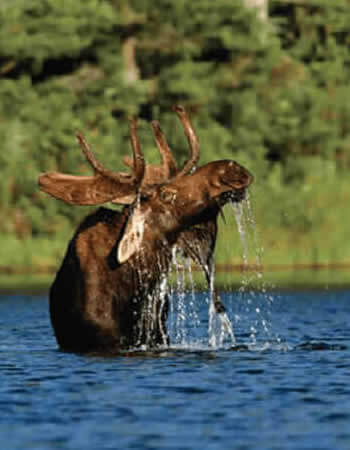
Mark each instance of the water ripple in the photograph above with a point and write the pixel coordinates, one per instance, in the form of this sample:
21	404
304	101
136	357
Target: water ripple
288	388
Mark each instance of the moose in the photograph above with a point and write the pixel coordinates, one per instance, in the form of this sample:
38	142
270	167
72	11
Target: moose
106	296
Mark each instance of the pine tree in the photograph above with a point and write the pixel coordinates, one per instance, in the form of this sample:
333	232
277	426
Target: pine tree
272	93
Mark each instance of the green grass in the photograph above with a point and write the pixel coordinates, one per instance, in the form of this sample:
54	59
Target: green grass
26	283
285	279
31	255
268	280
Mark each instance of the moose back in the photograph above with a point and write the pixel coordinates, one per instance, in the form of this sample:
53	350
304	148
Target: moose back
106	296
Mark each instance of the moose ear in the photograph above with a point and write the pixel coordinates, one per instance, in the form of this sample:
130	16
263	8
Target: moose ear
132	238
87	190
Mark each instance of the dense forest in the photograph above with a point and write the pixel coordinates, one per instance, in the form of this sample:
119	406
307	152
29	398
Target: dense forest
271	91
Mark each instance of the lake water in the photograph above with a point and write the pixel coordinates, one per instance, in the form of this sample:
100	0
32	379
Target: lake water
286	385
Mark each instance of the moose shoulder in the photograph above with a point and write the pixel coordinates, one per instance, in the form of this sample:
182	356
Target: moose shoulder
106	296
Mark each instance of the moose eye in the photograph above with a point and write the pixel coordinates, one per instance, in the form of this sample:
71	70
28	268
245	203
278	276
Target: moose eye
168	196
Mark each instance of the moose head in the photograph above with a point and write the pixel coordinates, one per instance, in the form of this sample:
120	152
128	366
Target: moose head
106	294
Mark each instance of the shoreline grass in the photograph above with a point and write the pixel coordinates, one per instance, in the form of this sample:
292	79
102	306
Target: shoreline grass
267	279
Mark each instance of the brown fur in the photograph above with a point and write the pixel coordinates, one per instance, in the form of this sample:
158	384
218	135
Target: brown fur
106	296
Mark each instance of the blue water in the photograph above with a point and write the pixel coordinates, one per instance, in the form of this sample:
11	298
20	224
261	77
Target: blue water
286	385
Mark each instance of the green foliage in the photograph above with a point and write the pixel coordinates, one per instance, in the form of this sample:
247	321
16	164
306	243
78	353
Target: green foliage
41	30
316	37
273	95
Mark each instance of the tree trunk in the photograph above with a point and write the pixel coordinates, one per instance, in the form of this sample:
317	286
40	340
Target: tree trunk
132	72
260	5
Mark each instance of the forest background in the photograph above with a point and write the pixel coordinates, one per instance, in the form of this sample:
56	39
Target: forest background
270	92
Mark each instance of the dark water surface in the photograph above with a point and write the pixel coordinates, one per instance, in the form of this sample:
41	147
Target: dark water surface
285	386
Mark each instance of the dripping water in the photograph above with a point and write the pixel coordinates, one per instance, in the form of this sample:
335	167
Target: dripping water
252	224
193	314
184	314
181	333
177	285
253	287
239	216
163	291
212	323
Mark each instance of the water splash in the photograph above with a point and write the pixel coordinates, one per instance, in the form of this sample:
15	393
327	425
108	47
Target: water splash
226	329
220	325
184	319
184	306
193	314
184	302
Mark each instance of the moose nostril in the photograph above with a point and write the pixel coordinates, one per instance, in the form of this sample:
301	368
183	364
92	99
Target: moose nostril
243	181
246	179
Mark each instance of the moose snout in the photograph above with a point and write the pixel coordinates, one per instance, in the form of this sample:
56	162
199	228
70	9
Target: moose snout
242	178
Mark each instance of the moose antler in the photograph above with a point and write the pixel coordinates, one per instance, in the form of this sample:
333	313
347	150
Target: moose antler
168	169
169	164
192	138
138	165
118	187
104	186
139	160
157	174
